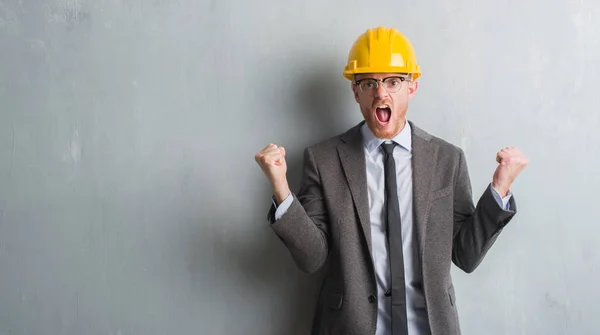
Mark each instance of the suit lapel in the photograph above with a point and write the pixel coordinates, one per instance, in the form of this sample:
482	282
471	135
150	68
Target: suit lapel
352	156
424	159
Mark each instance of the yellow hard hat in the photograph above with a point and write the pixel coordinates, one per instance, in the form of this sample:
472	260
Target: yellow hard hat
382	50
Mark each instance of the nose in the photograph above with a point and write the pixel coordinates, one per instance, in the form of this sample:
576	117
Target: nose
381	92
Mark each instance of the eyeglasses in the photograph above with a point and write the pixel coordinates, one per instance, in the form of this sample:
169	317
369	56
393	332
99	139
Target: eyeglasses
391	84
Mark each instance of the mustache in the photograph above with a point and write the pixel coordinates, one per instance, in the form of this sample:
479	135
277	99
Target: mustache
382	102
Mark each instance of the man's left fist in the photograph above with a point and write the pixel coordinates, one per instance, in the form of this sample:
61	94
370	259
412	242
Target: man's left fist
511	162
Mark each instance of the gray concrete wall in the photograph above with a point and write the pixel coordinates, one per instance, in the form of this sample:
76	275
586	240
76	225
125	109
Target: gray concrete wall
130	202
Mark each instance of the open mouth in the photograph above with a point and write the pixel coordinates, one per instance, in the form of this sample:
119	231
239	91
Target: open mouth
383	114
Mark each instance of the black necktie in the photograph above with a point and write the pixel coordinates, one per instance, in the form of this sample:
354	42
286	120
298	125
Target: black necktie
394	235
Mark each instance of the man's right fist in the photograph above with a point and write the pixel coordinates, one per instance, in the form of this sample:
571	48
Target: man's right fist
271	160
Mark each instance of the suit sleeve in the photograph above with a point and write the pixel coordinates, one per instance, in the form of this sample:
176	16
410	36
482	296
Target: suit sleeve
303	227
475	227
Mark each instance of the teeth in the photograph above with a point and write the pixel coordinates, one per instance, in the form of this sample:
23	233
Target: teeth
383	106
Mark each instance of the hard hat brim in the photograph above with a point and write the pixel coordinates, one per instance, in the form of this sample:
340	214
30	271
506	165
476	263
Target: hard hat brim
349	74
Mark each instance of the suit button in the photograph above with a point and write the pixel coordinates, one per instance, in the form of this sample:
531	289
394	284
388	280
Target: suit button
372	299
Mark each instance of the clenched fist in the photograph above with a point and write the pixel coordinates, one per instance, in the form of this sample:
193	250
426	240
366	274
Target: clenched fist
511	162
271	160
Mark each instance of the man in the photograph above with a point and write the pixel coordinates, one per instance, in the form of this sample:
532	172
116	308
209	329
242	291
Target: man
387	207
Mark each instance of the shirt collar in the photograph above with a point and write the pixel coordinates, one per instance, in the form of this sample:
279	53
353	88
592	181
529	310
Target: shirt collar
404	138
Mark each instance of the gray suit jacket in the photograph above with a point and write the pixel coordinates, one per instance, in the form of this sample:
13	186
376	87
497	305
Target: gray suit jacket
328	225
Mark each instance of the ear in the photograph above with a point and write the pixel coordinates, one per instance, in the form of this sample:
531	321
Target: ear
355	91
412	89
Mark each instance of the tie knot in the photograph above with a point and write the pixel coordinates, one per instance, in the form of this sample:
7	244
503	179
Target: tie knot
388	148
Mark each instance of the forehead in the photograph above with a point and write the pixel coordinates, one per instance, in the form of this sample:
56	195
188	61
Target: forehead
379	75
